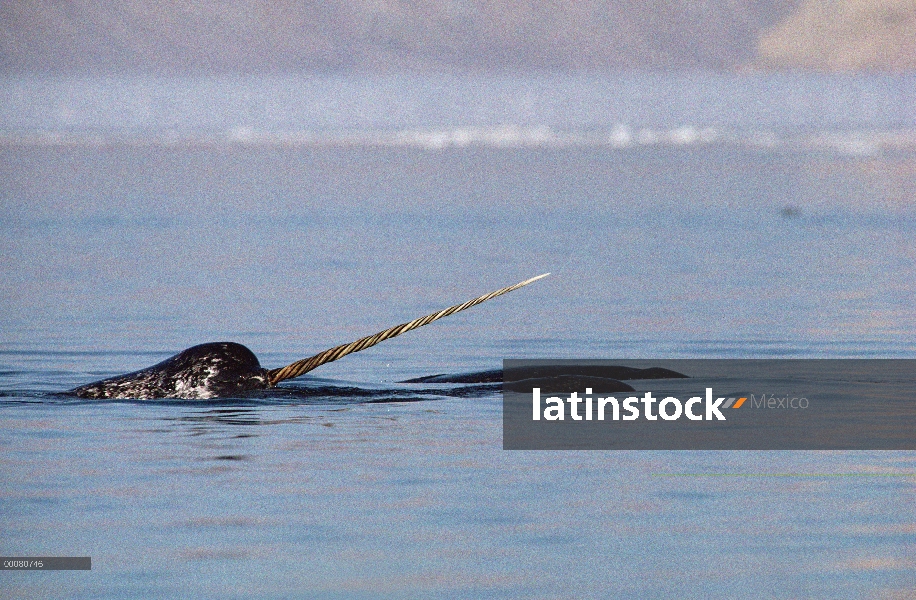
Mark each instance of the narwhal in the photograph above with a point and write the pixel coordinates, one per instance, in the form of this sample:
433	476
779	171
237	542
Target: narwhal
227	369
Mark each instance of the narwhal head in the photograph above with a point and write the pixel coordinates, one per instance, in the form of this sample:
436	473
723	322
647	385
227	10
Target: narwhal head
224	369
216	369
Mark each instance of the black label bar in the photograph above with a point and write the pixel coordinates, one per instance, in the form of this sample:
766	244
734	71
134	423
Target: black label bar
46	563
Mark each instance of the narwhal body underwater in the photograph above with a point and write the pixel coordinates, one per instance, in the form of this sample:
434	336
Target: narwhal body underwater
226	369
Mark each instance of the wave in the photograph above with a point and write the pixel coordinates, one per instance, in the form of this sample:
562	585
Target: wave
855	142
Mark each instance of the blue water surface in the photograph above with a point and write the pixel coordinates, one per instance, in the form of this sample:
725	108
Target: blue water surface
118	253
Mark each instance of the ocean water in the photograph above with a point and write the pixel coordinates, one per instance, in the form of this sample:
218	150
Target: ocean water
679	233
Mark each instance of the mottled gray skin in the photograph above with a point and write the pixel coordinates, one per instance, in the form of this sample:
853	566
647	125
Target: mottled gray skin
216	369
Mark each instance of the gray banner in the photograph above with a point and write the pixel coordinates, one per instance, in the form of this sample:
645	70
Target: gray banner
699	404
46	563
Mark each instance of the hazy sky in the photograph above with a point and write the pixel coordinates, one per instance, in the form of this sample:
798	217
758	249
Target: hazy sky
176	36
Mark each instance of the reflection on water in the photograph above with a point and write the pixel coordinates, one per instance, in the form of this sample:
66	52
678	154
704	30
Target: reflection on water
418	498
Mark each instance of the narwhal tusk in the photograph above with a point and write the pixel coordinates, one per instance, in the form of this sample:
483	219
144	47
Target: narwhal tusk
305	365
